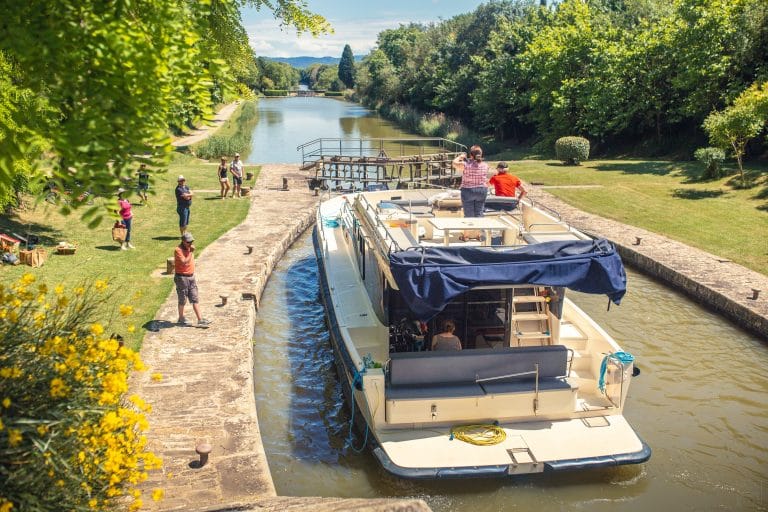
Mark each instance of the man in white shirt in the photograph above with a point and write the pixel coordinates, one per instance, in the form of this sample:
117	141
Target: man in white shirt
236	168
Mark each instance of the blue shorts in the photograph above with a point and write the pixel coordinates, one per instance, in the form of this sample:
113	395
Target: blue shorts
473	201
183	215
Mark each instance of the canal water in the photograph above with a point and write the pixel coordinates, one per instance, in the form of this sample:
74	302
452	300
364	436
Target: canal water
285	123
699	402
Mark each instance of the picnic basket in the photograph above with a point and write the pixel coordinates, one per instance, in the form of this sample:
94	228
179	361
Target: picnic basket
66	248
119	233
33	257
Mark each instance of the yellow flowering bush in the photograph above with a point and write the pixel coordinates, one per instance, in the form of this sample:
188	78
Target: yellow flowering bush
69	438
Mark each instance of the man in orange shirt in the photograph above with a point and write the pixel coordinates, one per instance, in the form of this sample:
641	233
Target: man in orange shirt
184	278
506	184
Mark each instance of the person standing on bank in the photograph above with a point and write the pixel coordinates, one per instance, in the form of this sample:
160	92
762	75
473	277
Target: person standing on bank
127	216
236	168
506	184
223	174
183	203
474	179
184	278
143	184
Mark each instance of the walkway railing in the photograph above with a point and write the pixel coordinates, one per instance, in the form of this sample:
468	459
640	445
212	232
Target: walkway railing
381	147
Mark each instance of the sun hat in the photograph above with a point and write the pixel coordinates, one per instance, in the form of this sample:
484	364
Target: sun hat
121	190
182	178
187	237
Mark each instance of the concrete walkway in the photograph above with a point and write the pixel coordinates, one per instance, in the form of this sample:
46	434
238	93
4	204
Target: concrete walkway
715	282
206	393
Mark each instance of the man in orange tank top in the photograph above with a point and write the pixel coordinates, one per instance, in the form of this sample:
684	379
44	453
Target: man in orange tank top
184	278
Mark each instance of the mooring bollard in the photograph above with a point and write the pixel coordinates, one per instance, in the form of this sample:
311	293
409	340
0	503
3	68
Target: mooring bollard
285	183
203	449
637	240
250	249
224	299
755	294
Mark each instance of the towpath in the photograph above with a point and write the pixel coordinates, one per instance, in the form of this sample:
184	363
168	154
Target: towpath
204	131
206	391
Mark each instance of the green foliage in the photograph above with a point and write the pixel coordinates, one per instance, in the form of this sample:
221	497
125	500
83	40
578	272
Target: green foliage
275	92
347	67
629	72
67	439
335	94
277	75
572	150
712	158
99	82
735	126
233	137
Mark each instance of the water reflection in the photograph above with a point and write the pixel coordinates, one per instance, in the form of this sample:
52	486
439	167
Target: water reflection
699	403
284	123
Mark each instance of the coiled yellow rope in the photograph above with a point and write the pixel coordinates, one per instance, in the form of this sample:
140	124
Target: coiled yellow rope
481	435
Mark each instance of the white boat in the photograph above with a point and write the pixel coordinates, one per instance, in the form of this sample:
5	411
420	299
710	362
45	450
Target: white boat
546	385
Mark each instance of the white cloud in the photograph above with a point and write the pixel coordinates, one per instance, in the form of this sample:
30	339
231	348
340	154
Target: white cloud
268	40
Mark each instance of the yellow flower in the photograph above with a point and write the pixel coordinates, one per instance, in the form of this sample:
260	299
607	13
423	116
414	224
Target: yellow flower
6	402
58	388
42	429
100	285
27	279
126	310
1	424
5	506
93	503
131	328
14	437
157	377
97	329
158	494
59	289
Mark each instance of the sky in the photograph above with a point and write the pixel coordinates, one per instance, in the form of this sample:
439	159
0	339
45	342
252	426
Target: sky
356	22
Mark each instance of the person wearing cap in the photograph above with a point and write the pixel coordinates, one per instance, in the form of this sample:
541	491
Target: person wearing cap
183	203
506	184
236	168
127	217
184	278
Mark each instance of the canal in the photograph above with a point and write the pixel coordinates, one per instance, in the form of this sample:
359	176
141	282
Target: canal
699	401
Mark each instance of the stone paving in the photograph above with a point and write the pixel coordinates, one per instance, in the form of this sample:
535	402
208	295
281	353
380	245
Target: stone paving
206	392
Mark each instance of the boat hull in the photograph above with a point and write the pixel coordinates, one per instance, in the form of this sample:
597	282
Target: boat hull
351	383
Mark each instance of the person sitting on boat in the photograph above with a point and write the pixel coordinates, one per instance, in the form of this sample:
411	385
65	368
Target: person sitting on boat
474	179
506	184
446	340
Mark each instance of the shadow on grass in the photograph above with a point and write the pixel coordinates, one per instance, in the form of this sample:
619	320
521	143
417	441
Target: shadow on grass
696	194
165	238
111	248
46	234
651	167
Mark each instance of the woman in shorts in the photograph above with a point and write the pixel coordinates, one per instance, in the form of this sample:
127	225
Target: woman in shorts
223	172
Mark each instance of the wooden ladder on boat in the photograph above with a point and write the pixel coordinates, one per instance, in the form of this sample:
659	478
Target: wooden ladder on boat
530	316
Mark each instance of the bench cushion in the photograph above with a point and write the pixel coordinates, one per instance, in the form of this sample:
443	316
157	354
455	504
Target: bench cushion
466	366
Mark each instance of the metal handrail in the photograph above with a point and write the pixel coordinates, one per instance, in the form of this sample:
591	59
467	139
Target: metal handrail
327	146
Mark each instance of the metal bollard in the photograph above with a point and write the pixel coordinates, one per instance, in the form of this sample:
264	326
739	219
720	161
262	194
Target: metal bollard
203	449
755	294
637	240
285	183
224	299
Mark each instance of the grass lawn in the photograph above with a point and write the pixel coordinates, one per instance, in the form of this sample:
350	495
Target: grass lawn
666	198
136	276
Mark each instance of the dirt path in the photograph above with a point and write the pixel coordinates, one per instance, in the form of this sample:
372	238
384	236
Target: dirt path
202	133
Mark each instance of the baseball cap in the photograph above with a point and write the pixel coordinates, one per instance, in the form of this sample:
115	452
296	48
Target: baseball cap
502	165
237	154
187	237
182	178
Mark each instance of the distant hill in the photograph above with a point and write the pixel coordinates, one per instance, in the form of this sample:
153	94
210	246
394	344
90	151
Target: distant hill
304	62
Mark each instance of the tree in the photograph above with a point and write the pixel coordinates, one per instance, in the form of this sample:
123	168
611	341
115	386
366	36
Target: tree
740	122
108	77
347	67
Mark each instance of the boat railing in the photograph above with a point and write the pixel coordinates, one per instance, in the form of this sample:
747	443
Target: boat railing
542	206
381	227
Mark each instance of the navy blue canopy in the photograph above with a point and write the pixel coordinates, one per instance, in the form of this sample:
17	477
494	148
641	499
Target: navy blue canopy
430	277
